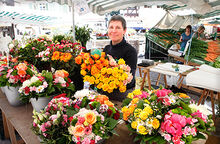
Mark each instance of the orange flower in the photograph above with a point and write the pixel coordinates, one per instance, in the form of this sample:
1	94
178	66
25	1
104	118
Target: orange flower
78	60
101	98
98	62
14	60
22	66
103	54
61	73
83	66
83	72
21	73
65	57
90	117
89	67
91	61
96	56
94	70
106	63
79	130
56	55
86	55
126	115
110	104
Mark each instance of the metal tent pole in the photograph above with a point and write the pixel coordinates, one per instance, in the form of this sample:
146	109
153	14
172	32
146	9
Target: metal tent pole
74	38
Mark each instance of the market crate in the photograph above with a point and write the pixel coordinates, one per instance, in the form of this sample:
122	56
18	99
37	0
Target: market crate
163	43
152	37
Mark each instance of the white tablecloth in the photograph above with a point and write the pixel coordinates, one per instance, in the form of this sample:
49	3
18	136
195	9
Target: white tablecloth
206	77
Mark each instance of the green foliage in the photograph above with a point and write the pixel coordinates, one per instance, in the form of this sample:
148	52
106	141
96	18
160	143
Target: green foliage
83	34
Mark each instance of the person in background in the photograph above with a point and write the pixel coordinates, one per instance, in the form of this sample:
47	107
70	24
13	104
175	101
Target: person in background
119	48
200	33
185	37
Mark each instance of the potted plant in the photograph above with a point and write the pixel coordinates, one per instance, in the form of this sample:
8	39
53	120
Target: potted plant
161	116
83	34
90	118
15	76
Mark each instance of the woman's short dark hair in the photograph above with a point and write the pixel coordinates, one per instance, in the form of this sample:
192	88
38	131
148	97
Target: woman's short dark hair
189	27
118	18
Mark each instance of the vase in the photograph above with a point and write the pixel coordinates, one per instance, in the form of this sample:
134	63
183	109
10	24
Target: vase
3	89
40	103
12	96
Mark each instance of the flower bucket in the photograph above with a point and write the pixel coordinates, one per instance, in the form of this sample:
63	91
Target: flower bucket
12	96
3	89
40	103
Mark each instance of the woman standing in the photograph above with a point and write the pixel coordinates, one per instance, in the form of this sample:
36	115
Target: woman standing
200	33
185	37
119	48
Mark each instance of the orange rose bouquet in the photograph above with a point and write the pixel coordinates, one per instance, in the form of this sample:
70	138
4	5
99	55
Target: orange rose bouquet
104	72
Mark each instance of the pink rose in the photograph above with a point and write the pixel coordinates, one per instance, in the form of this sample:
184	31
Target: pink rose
186	130
53	117
43	128
81	120
194	131
34	124
167	137
175	118
45	84
88	130
86	140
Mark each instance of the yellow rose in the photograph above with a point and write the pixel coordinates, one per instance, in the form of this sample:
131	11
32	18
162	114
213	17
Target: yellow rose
124	109
121	61
144	115
109	71
100	85
96	81
135	100
103	71
105	81
101	78
130	95
142	130
132	107
110	90
148	110
137	92
105	87
134	124
90	117
115	73
91	80
83	72
155	123
122	89
115	69
116	82
112	84
137	112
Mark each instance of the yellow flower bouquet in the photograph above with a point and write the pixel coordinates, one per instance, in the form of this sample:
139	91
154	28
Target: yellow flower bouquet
104	72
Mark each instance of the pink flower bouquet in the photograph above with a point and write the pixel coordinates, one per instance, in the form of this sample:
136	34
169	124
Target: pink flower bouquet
88	119
161	116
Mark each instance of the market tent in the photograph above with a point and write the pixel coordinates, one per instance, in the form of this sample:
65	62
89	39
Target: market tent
175	22
105	6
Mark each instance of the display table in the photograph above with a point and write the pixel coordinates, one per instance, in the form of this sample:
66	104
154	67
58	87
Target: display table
19	119
181	59
165	69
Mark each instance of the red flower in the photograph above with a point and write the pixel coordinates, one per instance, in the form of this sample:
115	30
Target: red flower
76	106
41	78
61	95
116	115
109	111
92	141
26	90
70	118
91	107
69	80
67	84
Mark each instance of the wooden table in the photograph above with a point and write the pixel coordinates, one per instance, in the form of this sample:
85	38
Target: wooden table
19	119
181	59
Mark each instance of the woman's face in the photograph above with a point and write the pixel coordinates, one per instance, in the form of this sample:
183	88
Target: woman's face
188	30
201	31
116	31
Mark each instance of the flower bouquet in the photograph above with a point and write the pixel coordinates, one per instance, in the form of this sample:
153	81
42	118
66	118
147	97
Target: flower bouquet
104	72
161	116
3	73
88	119
46	84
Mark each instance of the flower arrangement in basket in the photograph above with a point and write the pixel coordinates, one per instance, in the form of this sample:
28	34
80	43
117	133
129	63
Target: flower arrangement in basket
31	50
161	116
104	72
46	84
88	119
19	73
63	54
